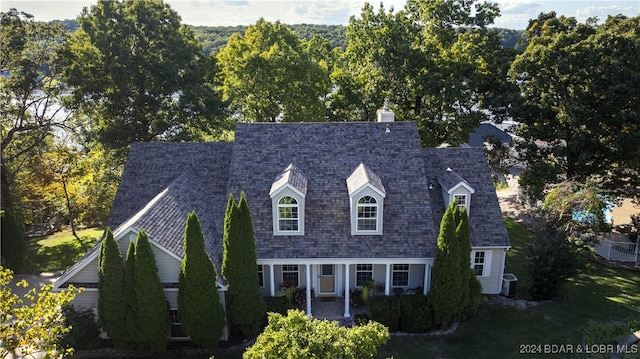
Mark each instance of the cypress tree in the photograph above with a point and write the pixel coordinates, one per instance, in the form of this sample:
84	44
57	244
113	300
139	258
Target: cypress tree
445	289
153	324
199	307
463	235
111	308
246	305
130	294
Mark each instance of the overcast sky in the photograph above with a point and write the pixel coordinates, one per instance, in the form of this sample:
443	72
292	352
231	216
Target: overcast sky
515	14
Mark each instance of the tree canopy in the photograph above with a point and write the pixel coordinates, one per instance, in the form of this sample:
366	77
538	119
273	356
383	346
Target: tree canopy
266	74
581	105
138	74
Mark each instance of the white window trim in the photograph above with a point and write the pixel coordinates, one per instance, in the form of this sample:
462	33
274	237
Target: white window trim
355	198
287	191
282	272
288	205
261	270
356	271
486	265
408	271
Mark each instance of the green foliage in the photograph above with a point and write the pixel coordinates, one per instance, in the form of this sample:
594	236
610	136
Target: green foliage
199	307
475	297
239	268
580	117
598	333
85	331
463	236
30	91
13	244
267	74
138	74
35	322
446	287
111	296
299	336
385	310
552	260
130	293
278	305
438	65
415	313
153	324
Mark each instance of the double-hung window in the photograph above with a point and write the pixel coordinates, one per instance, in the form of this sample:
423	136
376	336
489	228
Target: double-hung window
290	275
367	209
288	214
400	275
364	273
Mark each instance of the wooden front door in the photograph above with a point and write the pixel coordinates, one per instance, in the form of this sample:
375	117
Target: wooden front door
327	279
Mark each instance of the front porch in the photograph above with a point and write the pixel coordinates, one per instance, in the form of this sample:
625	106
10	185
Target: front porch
328	285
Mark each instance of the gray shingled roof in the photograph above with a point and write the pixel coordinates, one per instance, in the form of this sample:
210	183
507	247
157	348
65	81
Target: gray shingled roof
328	153
361	176
292	176
485	216
183	177
479	135
450	178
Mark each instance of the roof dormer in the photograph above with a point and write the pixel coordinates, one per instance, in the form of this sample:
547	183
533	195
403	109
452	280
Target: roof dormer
288	192
455	188
366	199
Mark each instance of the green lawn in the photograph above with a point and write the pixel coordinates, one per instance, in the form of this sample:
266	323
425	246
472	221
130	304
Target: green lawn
598	293
59	251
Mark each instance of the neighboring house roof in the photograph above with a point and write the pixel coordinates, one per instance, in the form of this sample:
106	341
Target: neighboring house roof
478	136
163	182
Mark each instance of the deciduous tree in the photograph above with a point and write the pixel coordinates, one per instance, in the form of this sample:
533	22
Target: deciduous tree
33	325
267	74
199	307
138	74
581	117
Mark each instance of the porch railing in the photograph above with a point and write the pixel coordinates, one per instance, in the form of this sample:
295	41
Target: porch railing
618	251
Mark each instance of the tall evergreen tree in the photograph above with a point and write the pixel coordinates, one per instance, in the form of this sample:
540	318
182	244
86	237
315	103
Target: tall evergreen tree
13	245
246	305
111	308
153	324
199	307
446	285
130	293
463	235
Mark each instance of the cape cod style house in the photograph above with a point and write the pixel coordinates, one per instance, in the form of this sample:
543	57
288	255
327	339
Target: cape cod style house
333	205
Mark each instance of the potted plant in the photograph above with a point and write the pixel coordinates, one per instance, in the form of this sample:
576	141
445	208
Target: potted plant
367	287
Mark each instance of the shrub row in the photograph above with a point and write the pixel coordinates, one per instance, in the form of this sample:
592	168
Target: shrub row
410	313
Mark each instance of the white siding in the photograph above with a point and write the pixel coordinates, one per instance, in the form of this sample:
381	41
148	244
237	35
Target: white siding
87	299
492	283
88	274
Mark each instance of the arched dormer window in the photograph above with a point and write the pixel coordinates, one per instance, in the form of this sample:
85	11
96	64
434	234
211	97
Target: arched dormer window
366	195
288	192
367	214
288	214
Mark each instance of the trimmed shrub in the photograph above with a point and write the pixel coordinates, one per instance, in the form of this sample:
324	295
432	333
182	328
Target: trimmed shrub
415	313
199	307
278	305
153	325
384	310
85	331
239	268
111	308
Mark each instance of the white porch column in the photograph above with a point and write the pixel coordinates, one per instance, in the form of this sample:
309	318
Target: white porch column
272	285
427	276
346	292
387	282
308	267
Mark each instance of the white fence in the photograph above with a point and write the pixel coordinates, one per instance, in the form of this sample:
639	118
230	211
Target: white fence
618	251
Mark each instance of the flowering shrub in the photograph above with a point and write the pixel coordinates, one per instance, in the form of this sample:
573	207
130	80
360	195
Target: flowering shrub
300	296
355	297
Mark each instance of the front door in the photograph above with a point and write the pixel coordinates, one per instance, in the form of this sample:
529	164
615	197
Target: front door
327	279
